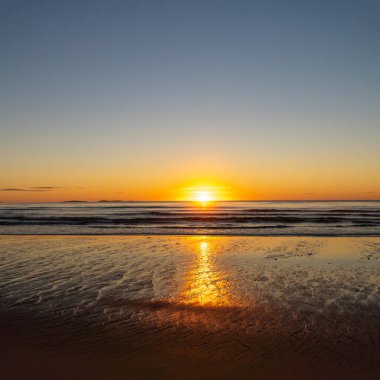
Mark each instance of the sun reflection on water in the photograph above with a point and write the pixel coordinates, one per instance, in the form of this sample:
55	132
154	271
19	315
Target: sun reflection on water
206	285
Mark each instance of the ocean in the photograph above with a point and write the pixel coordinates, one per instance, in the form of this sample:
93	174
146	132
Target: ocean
297	218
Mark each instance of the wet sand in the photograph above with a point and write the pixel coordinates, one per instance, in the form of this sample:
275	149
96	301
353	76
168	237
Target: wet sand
171	307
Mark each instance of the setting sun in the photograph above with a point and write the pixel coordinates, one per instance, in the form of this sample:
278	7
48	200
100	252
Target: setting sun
205	194
204	197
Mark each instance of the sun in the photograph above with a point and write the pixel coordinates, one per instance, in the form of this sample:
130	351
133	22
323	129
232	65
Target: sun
203	197
204	194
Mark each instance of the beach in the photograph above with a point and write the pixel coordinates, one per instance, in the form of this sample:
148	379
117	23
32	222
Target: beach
136	307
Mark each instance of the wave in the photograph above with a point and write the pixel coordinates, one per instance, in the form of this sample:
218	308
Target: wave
251	216
88	220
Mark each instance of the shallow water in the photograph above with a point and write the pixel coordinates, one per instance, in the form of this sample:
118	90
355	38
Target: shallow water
251	300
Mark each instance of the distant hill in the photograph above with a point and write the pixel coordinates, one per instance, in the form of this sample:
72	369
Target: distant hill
74	201
112	201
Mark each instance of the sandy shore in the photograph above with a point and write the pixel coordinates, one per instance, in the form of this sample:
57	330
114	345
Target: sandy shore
189	307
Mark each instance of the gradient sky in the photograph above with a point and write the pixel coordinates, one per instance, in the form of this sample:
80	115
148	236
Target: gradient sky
142	99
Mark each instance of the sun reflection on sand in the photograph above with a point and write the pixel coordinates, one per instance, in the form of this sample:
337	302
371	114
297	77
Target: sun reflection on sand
206	285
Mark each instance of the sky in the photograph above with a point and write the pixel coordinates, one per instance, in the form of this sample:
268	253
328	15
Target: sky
144	100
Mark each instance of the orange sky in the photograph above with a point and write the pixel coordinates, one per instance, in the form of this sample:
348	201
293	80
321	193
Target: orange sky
289	182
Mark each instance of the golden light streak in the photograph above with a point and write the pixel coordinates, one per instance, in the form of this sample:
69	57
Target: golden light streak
206	285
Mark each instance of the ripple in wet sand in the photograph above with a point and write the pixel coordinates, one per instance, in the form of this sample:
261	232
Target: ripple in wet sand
189	307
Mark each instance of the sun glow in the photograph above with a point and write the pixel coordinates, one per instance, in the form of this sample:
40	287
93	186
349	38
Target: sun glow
204	197
205	194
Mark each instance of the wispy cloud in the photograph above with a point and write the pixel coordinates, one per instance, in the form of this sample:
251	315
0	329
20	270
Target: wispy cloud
31	189
18	189
46	188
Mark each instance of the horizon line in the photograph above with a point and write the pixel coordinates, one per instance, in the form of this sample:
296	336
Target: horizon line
191	201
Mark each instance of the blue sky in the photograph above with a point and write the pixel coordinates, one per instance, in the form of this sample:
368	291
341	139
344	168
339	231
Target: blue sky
171	90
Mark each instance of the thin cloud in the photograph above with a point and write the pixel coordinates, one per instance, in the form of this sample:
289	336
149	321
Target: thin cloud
15	189
18	189
46	188
33	189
